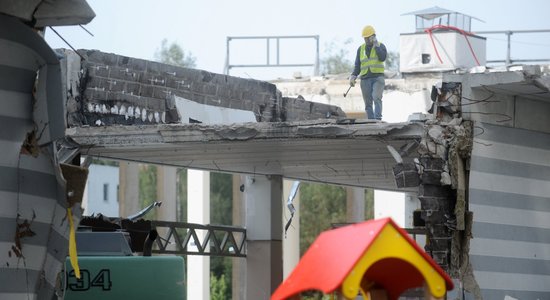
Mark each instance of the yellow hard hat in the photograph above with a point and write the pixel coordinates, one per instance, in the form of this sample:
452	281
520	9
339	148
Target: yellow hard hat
368	31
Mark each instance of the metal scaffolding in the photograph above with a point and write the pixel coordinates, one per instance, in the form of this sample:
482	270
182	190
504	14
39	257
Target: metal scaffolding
184	238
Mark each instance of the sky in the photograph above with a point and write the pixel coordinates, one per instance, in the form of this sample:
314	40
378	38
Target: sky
135	28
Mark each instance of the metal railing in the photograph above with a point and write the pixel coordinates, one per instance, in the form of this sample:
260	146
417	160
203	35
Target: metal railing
315	64
197	239
508	61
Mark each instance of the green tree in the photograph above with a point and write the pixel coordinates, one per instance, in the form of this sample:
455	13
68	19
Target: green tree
173	54
369	204
321	205
105	162
221	207
335	59
147	186
218	288
182	194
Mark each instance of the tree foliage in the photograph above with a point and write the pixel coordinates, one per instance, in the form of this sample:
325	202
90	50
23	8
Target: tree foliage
221	207
369	204
335	59
147	186
219	288
182	194
321	205
173	54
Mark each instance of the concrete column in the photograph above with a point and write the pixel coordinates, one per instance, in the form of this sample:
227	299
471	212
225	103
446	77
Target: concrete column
264	268
355	204
166	193
128	190
291	240
198	211
238	270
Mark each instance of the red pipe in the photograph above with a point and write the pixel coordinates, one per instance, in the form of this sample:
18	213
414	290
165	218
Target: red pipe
464	33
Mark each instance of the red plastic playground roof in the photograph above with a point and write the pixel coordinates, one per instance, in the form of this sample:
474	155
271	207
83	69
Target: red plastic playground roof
334	254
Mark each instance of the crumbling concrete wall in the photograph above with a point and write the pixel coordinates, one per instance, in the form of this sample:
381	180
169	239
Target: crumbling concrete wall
441	174
36	190
106	88
444	154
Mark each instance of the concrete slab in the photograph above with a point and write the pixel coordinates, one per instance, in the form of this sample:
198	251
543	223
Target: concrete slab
317	151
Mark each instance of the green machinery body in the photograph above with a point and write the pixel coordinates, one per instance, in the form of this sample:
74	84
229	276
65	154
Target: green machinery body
126	277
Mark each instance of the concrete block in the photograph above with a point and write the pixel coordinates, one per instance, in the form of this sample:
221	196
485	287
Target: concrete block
210	89
137	64
430	203
162	92
223	92
236	94
146	90
432	163
406	175
206	76
103	58
175	83
124	74
197	87
434	191
440	257
116	85
132	88
431	177
153	67
440	243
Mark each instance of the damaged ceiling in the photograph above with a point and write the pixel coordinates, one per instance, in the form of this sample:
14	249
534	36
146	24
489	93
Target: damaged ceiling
328	151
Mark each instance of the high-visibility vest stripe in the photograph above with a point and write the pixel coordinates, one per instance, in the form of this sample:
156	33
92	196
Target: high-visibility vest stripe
370	62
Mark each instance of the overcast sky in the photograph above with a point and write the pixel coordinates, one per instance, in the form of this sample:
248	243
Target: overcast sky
136	28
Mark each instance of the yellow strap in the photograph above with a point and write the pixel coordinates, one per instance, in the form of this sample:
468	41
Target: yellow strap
72	245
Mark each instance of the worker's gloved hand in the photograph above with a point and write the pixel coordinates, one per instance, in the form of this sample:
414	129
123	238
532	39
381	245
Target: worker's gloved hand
352	79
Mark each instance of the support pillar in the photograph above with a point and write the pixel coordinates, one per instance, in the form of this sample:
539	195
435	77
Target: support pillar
291	240
198	211
239	264
128	195
166	193
264	266
355	204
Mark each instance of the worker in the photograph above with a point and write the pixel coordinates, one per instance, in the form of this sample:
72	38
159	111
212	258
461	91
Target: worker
369	67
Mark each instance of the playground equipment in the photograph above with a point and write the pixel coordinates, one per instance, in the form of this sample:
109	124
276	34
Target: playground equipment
375	258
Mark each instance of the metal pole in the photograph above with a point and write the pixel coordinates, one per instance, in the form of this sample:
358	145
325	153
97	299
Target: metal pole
508	59
316	68
267	59
226	69
277	50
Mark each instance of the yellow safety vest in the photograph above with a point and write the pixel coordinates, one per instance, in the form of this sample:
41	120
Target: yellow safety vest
371	62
